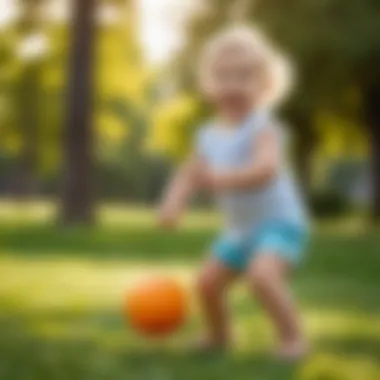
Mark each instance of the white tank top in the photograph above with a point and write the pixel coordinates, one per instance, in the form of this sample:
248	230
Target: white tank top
233	148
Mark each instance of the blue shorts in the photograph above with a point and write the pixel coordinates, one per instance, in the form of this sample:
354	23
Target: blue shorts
285	239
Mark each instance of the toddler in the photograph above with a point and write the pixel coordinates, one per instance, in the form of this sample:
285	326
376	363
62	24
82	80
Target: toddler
239	157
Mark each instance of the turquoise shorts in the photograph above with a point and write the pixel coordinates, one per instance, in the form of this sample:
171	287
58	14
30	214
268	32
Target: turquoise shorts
285	239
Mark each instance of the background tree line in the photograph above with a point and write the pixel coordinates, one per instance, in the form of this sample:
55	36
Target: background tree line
84	118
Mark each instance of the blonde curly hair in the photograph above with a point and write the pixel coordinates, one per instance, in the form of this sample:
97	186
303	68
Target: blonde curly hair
277	68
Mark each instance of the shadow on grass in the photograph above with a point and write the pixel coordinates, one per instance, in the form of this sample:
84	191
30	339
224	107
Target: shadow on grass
104	243
354	257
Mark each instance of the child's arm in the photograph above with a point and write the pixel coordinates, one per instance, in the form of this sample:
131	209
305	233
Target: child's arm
181	188
260	171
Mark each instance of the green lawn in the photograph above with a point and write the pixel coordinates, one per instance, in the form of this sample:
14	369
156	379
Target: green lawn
61	292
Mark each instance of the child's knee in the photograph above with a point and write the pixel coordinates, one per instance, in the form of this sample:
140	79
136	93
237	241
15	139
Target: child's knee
262	274
259	277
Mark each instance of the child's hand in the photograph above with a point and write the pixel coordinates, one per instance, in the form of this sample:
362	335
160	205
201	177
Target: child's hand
168	219
206	179
211	181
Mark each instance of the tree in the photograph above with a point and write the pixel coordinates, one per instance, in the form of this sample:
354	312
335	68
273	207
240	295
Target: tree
78	187
32	88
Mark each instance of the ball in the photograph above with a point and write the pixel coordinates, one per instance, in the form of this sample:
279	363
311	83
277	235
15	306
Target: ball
156	306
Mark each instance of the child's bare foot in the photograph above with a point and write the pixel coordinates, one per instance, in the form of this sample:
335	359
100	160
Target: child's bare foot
293	350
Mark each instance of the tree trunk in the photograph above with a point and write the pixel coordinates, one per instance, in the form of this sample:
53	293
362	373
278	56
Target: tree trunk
371	104
78	200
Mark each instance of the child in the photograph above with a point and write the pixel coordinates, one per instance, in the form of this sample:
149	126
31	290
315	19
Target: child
239	157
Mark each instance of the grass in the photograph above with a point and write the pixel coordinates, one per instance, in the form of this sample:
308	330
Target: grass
62	291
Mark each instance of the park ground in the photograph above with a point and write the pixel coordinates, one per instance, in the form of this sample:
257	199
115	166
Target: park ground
62	292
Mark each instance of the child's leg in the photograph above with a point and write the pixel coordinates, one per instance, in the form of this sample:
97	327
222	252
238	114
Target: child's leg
267	276
211	285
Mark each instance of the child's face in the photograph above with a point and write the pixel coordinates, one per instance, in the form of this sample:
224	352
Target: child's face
237	83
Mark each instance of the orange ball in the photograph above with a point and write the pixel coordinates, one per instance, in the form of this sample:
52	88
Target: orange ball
156	306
